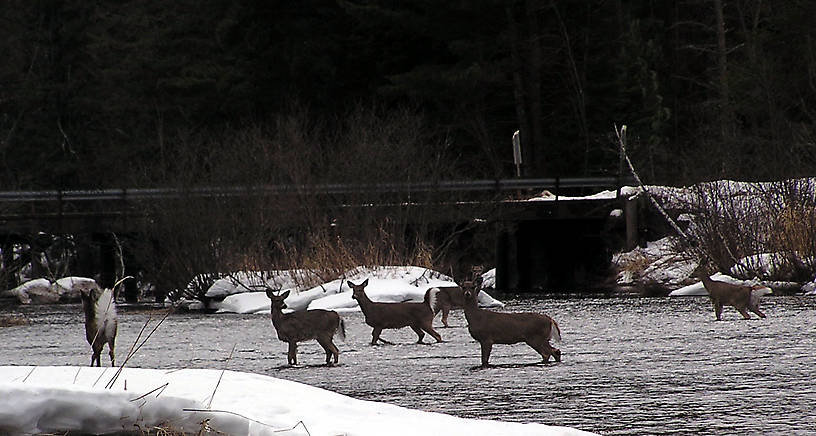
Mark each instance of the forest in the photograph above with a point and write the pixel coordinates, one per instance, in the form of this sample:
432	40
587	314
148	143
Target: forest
185	93
120	94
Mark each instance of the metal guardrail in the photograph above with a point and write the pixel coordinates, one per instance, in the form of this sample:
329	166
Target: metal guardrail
136	194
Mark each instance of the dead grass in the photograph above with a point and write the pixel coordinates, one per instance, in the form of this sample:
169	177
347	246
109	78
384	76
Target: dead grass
13	320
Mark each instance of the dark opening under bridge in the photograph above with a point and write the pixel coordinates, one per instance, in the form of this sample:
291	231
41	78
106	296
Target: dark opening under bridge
553	242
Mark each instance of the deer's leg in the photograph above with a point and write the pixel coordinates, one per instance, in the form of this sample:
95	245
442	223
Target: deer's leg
110	350
428	327
743	312
755	309
486	348
541	347
375	336
330	348
97	351
419	333
718	307
291	357
445	311
556	354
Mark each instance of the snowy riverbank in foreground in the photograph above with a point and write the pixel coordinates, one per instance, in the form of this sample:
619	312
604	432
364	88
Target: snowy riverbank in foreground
56	399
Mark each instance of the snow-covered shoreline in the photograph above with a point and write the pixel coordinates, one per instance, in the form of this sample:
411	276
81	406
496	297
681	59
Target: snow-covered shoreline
36	399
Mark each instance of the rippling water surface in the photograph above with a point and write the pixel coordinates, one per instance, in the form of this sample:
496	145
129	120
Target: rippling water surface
635	366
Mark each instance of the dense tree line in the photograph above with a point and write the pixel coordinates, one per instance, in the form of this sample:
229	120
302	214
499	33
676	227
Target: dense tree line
107	93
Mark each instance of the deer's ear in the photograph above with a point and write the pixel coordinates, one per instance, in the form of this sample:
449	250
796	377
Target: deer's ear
365	283
284	295
350	284
270	293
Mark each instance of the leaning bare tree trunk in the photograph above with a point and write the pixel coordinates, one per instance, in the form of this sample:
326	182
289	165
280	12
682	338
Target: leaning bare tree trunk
726	112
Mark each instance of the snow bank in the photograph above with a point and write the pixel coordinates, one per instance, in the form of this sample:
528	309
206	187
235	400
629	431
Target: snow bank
278	279
63	398
657	263
42	291
391	284
697	289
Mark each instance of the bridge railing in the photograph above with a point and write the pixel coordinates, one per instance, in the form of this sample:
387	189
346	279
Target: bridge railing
555	183
68	210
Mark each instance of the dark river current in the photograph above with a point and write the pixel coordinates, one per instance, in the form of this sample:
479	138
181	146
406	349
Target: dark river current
634	366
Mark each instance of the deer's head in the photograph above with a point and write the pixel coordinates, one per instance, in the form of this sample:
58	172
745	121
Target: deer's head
471	289
703	269
89	291
277	299
358	291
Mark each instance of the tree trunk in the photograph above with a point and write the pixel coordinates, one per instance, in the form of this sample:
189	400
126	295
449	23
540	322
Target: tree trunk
726	111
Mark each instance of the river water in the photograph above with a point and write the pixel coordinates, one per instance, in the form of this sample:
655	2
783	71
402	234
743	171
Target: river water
634	366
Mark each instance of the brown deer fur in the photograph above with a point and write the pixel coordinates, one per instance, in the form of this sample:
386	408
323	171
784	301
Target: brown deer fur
489	327
447	298
318	324
741	297
100	320
418	316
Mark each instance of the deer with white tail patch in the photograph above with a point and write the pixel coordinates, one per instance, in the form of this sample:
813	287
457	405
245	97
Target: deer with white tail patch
418	316
100	319
741	297
489	327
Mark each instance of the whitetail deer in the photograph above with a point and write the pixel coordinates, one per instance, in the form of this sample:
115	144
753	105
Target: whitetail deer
452	297
447	298
321	325
418	316
742	297
489	327
100	319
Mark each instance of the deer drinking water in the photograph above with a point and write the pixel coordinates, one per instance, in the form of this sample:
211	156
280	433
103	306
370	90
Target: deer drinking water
489	327
100	320
418	316
741	297
321	325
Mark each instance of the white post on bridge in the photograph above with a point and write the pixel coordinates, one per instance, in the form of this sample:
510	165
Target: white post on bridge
517	152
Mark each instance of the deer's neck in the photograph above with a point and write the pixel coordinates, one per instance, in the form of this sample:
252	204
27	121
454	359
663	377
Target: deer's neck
88	308
471	307
364	301
277	316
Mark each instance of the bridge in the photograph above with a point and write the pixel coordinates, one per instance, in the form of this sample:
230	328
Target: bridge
551	241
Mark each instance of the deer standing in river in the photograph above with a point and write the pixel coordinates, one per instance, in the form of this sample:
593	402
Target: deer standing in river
100	319
452	297
319	324
418	316
741	297
447	298
489	327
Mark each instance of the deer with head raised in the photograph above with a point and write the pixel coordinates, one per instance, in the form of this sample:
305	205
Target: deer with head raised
741	297
319	324
488	327
418	316
100	319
